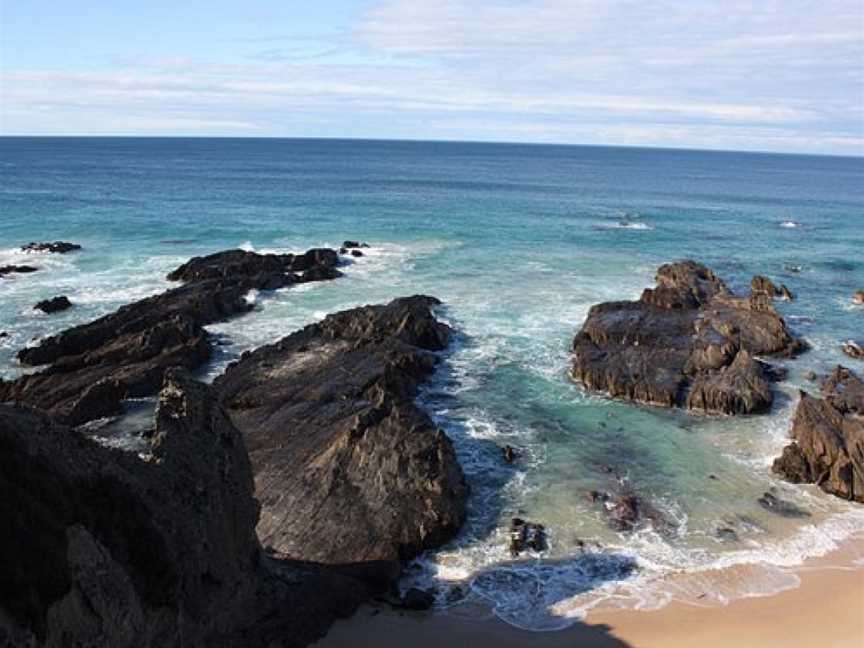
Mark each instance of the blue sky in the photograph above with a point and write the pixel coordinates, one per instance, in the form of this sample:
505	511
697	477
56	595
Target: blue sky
771	75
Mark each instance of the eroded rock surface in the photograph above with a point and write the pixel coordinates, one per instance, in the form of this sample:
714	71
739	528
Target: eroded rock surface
103	548
95	365
828	438
348	469
688	342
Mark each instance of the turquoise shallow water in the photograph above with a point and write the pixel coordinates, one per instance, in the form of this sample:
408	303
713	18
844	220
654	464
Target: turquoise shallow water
518	241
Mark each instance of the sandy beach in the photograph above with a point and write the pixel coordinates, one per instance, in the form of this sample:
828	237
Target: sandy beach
826	610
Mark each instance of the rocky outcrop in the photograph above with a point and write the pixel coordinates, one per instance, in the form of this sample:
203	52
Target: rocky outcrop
95	365
103	548
16	269
852	349
348	469
526	535
57	247
764	285
54	305
827	446
688	342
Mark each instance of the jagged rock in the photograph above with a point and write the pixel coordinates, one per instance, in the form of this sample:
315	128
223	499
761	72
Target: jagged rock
268	271
526	535
828	438
858	297
347	467
133	346
760	284
57	247
771	502
509	454
54	305
354	244
688	342
853	349
19	269
106	549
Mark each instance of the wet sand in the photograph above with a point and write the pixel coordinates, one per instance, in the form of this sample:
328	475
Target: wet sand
826	610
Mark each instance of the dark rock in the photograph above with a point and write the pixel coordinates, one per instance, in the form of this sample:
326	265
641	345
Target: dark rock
354	244
761	284
356	253
54	305
133	346
526	535
3	335
853	349
828	438
509	454
348	468
771	502
727	534
102	548
688	342
628	511
57	247
19	269
418	599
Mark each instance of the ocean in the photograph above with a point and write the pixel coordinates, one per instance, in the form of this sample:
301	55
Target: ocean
518	241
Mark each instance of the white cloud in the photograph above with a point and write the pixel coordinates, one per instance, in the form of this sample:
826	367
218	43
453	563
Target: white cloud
787	75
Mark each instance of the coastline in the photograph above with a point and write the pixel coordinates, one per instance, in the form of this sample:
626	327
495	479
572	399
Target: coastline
825	609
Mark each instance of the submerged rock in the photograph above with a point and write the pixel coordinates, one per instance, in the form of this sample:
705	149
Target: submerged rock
509	454
57	247
688	342
853	349
54	305
102	548
417	599
526	535
131	348
771	502
16	269
827	446
348	468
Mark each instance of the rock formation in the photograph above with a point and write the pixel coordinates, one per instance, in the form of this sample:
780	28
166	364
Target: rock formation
828	438
16	269
526	535
95	365
760	284
57	247
688	342
106	549
853	349
54	305
348	469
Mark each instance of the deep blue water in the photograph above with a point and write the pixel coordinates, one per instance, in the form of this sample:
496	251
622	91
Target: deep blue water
519	241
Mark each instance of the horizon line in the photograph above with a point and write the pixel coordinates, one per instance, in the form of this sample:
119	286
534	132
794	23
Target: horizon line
441	141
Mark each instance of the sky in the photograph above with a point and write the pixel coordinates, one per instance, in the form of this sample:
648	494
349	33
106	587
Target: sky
770	75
